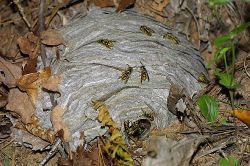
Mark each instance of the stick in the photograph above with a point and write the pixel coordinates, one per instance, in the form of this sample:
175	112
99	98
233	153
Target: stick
51	153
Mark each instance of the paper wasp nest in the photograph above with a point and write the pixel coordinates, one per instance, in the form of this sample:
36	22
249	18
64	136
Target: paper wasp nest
128	61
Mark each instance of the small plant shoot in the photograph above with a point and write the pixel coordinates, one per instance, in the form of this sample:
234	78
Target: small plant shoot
228	81
229	161
208	107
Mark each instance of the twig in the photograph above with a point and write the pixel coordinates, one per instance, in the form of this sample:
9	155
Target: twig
223	145
21	10
13	161
236	105
7	144
42	28
246	66
244	149
54	11
196	23
51	153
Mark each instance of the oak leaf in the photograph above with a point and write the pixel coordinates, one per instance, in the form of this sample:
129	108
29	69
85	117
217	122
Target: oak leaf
29	44
20	103
9	73
52	37
103	3
31	83
52	83
243	115
58	124
124	4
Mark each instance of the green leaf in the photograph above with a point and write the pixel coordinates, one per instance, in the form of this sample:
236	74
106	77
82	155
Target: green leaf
229	161
239	29
208	107
6	161
227	80
222	40
220	53
219	41
219	2
217	72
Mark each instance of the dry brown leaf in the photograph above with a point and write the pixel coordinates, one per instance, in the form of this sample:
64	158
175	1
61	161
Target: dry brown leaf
20	103
52	37
3	101
195	37
243	115
43	133
9	73
152	8
33	81
56	118
82	157
124	4
30	66
29	44
52	83
160	5
8	41
102	3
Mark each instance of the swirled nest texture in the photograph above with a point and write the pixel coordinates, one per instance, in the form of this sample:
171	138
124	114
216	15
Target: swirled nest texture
100	49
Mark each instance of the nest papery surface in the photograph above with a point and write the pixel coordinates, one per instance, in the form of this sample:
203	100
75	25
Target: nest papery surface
91	71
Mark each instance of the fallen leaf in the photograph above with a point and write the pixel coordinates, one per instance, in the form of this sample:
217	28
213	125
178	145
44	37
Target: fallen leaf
58	124
52	37
9	73
34	128
82	157
8	41
3	100
20	103
31	83
103	3
29	44
160	5
243	115
124	4
154	9
52	83
30	66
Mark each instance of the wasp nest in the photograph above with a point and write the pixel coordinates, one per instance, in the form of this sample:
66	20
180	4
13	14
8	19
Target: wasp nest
127	61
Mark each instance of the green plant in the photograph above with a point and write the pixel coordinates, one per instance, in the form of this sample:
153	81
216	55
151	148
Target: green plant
226	47
213	3
208	107
228	161
218	2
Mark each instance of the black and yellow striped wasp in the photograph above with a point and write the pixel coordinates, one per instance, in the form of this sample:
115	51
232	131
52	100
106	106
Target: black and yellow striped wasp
146	30
169	36
144	73
126	74
106	42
